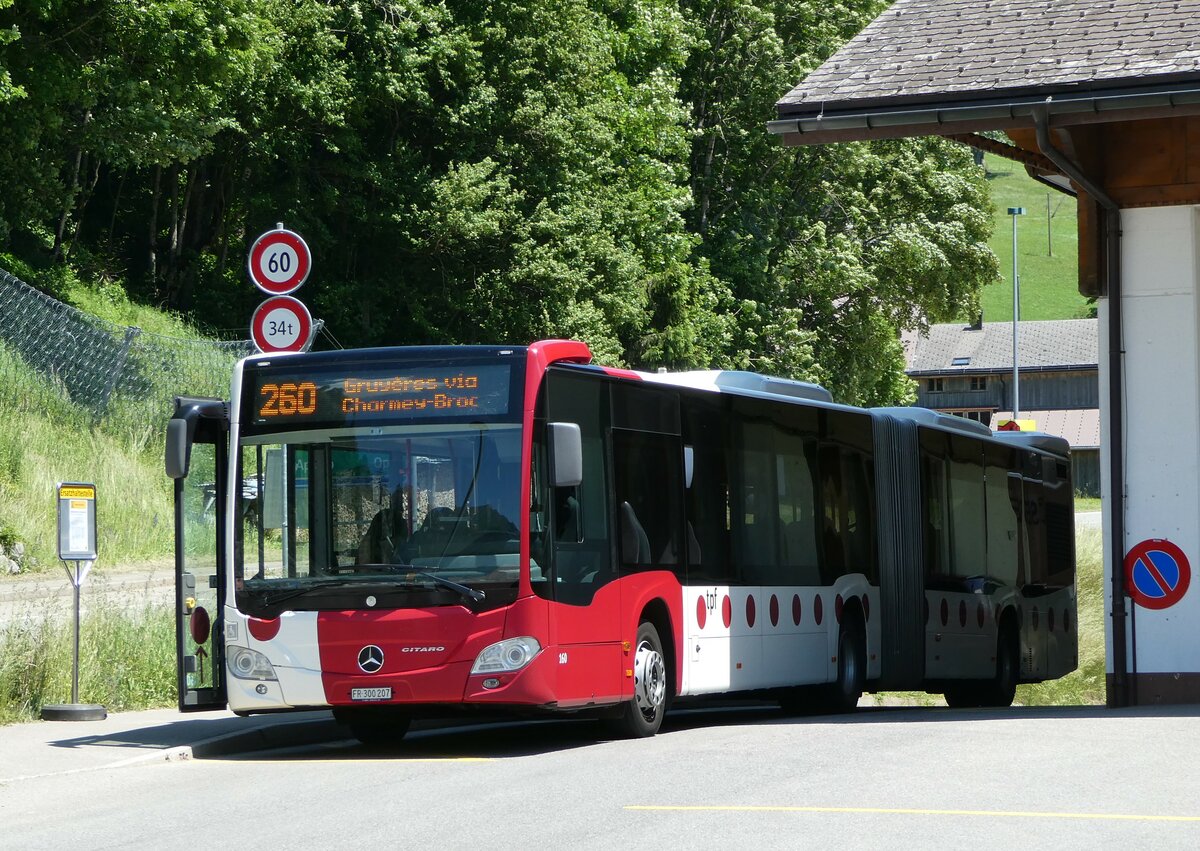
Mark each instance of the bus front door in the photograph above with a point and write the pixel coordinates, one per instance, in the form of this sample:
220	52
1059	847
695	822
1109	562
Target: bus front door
196	457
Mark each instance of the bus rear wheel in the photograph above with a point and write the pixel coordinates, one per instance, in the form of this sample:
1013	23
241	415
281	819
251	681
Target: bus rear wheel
376	725
843	694
1002	688
642	716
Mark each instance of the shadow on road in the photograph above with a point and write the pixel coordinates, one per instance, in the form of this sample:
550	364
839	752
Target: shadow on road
507	738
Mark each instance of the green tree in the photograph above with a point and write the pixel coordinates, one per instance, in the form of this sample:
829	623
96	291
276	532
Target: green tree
8	35
829	251
487	171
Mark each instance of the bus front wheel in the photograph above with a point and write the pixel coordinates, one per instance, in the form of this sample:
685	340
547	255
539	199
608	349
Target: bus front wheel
376	726
643	715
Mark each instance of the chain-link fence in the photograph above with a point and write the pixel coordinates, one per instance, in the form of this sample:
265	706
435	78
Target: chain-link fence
55	357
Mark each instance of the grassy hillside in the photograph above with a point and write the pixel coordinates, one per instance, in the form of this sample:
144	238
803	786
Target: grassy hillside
1047	248
44	439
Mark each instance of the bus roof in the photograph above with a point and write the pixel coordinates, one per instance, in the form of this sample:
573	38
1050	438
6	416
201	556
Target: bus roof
725	380
948	422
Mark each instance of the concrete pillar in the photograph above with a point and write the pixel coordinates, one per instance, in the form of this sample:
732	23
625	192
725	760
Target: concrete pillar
1161	315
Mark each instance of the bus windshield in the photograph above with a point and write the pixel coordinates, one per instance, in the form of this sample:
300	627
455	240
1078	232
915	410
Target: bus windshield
387	514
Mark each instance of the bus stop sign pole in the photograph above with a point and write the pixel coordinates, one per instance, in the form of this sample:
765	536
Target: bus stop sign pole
77	544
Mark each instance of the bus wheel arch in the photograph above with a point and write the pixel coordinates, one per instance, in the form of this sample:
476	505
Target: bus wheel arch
656	612
653	668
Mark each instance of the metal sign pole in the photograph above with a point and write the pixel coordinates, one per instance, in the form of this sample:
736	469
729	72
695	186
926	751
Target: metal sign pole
77	544
75	653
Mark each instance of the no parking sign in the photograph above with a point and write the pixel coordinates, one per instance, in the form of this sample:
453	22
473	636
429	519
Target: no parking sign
1157	574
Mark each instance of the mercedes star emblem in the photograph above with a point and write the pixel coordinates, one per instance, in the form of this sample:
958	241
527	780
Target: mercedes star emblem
370	659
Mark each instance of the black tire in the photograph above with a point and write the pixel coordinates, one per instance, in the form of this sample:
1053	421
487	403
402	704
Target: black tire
375	726
643	714
843	694
963	695
802	700
1002	688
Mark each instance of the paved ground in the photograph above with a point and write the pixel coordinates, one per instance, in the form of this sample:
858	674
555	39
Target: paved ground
734	777
43	748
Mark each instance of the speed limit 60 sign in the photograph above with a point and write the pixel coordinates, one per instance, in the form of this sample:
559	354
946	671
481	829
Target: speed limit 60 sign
281	324
279	261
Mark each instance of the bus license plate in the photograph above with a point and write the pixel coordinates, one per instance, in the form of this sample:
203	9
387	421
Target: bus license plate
371	693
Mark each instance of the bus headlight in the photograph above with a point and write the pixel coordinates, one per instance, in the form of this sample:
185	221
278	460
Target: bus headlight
249	664
512	654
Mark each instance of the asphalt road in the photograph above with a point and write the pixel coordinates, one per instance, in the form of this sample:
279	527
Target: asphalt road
734	778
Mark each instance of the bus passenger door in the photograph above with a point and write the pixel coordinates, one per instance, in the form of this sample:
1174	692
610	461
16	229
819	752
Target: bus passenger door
585	613
196	459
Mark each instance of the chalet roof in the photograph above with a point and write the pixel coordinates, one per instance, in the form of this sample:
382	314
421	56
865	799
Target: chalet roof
958	349
947	52
1080	427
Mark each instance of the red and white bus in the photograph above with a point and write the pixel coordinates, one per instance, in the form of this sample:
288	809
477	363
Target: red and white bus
412	530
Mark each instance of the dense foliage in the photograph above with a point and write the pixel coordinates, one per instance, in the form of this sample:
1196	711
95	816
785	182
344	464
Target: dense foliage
488	171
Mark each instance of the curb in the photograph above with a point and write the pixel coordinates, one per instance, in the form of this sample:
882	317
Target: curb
261	737
267	737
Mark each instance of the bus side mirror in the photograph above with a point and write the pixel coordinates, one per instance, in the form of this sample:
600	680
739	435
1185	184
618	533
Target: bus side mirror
566	452
179	446
181	430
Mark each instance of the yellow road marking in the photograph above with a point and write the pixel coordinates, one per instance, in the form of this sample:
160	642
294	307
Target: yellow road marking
908	812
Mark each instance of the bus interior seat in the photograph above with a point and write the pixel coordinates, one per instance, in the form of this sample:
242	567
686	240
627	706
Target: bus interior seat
635	546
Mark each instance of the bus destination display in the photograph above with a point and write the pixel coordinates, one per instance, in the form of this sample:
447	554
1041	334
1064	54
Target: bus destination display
394	394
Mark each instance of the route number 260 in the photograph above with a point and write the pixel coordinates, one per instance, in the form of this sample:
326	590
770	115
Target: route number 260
288	399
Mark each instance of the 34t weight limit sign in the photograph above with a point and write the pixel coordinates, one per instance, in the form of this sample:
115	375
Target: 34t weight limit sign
281	324
279	262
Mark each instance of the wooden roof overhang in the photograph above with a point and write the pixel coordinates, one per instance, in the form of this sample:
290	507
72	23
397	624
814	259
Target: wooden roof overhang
957	113
1137	145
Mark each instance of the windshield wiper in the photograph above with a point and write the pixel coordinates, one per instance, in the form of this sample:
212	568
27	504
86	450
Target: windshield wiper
270	600
472	594
278	597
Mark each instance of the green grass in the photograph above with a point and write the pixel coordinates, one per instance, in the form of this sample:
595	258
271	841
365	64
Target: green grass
134	519
127	661
1085	685
45	438
1048	269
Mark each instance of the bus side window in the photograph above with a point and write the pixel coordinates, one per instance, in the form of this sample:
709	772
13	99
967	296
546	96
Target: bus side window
648	470
756	521
568	526
933	511
575	538
795	462
706	497
968	533
1003	498
1060	523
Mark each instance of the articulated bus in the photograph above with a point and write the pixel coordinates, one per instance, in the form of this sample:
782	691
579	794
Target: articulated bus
402	532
